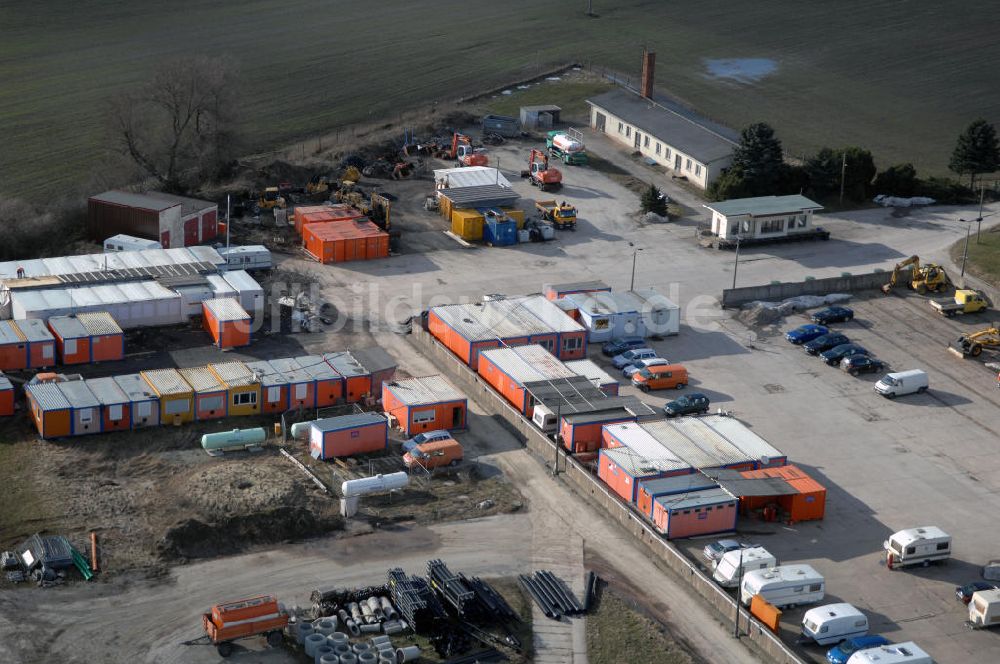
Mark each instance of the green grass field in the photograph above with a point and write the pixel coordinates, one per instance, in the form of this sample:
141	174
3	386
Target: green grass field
899	78
984	256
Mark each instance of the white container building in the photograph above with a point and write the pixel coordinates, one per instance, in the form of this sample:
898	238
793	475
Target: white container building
122	242
250	293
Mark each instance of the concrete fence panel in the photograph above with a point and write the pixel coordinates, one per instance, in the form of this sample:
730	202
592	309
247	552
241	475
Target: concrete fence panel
735	297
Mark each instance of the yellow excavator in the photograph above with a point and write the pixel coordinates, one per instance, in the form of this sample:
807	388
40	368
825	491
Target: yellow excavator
923	278
972	344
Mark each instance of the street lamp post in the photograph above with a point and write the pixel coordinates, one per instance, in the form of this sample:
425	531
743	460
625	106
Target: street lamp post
736	265
635	253
965	254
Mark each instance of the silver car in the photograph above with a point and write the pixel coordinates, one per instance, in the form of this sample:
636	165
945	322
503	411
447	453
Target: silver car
642	364
715	550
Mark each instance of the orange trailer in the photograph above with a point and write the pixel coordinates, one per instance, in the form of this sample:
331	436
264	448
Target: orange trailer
210	396
13	347
348	435
116	411
6	396
87	337
425	404
41	343
227	322
229	621
345	241
357	379
273	386
301	386
328	385
807	504
50	410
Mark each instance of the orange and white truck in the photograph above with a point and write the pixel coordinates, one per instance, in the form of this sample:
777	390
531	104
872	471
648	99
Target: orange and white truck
243	618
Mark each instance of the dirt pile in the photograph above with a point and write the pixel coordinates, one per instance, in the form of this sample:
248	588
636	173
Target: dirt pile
763	314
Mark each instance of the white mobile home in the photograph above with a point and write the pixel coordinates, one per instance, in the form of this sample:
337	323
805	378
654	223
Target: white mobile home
763	217
832	623
728	568
640	313
124	242
984	608
249	257
784	586
900	653
917	546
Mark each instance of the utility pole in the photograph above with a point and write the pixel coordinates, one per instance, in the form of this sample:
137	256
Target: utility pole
843	175
229	221
736	265
739	595
979	219
965	254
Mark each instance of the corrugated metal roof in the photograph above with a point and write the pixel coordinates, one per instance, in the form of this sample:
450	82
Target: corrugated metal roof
741	437
99	323
349	421
426	390
266	374
220	287
34	330
574	394
291	370
709	439
188	205
576	286
5	383
135	387
760	206
526	364
549	313
613	414
107	391
68	327
78	394
226	252
682	446
141	201
9	334
345	364
590	370
202	380
638	465
695	499
664	486
226	309
642	443
374	359
480	196
469	176
740	485
316	367
510	318
48	396
166	382
233	374
242	281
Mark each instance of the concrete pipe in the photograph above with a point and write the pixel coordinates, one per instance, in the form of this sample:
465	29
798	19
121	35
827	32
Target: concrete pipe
342	648
386	647
320	651
373	628
343	615
324	626
407	654
387	658
392	627
337	638
368	614
355	611
312	641
359	648
302	630
367	658
352	627
348	658
387	608
330	658
376	640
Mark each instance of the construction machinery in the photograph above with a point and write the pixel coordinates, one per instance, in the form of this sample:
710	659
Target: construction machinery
567	146
539	172
562	215
271	198
972	344
965	301
923	278
241	619
318	184
462	151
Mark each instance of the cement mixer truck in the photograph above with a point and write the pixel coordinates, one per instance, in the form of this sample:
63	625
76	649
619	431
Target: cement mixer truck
567	146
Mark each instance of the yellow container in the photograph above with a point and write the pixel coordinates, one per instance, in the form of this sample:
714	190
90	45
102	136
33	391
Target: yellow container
467	224
444	206
516	214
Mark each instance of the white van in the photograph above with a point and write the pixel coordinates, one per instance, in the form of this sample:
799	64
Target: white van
727	568
250	257
124	242
984	608
544	419
832	623
902	382
785	586
917	546
900	653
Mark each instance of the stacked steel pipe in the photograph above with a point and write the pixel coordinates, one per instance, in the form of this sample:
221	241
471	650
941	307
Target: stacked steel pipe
451	587
551	595
495	605
414	599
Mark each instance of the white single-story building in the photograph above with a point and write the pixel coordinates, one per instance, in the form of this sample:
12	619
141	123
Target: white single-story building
763	217
672	137
641	313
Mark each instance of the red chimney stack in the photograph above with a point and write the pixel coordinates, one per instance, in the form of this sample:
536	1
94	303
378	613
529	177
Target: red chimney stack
648	67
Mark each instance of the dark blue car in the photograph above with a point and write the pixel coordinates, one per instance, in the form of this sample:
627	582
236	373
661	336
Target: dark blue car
840	653
619	346
804	333
837	353
825	342
833	315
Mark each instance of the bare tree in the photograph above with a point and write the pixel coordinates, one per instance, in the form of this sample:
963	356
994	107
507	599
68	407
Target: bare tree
182	122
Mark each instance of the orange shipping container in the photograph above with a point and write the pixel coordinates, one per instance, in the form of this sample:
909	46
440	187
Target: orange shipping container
227	322
318	214
357	379
348	435
808	504
13	347
327	383
424	404
6	396
766	613
345	241
41	343
50	410
88	337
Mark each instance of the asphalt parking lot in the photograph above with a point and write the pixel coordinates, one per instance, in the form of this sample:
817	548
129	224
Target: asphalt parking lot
918	460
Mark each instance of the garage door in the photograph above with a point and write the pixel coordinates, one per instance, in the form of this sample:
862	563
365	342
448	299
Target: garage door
191	232
165	239
208	226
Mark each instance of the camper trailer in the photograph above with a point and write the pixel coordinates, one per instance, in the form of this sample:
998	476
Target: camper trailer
832	623
544	419
785	586
249	257
900	653
117	243
917	546
728	568
984	608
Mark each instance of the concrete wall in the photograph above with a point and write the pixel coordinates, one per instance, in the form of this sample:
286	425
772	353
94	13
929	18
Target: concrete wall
734	297
591	489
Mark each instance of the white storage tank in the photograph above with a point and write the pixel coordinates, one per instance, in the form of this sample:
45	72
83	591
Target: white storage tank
374	484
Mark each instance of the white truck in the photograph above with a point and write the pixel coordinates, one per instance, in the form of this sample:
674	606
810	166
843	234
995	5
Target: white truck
728	568
832	623
984	609
785	586
917	546
900	653
901	383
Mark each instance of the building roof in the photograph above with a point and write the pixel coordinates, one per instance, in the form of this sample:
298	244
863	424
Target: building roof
612	414
424	391
9	334
316	368
469	176
696	456
166	382
740	485
202	380
99	323
760	206
344	363
739	435
622	302
577	395
791	474
640	442
639	464
349	421
48	396
135	387
374	359
244	249
226	309
242	281
266	375
541	108
709	440
493	319
549	313
129	199
188	205
526	364
665	486
678	130
107	391
695	499
344	230
291	370
910	535
487	195
590	370
576	287
34	330
233	374
78	394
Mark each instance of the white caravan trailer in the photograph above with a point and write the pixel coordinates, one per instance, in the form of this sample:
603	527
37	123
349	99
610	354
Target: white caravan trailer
984	608
832	623
784	586
544	419
900	653
917	546
123	242
727	568
250	257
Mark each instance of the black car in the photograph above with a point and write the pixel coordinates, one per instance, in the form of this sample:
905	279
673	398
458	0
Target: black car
837	353
833	315
825	342
966	592
689	404
856	364
619	346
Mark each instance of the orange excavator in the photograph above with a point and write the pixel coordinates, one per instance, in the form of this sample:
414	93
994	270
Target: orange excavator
463	152
543	176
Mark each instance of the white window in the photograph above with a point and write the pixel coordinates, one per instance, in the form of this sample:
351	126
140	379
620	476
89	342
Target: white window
802	221
420	416
47	351
772	226
212	403
69	346
687	165
697	169
85	415
115	413
245	398
572	343
144	409
659	147
300	391
176	406
273	394
547	344
645	141
621	127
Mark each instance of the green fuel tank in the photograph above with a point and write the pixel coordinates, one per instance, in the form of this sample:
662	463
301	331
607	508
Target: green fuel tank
236	439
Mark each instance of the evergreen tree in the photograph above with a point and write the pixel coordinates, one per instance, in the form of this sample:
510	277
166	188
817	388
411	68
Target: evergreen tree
653	201
977	151
759	160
